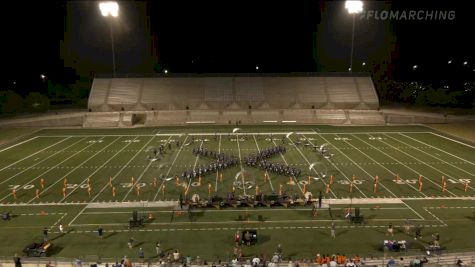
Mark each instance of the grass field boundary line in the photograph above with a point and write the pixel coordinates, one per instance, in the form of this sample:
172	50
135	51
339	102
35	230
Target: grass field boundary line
62	140
392	173
33	165
113	178
22	142
433	215
217	173
332	163
267	173
306	228
222	133
448	163
74	169
424	164
142	174
453	140
414	171
438	149
326	221
295	179
457	207
97	169
41	214
171	166
223	210
116	204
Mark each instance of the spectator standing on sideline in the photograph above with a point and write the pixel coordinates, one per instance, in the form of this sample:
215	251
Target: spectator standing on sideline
280	252
390	230
100	231
45	234
141	254
158	249
237	238
17	260
436	239
333	230
418	232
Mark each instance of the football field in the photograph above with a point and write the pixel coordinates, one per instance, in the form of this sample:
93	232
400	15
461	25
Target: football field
84	179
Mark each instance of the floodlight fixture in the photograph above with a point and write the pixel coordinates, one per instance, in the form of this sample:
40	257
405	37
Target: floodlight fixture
354	7
109	8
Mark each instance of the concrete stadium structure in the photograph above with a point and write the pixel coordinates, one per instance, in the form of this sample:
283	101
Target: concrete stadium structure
221	99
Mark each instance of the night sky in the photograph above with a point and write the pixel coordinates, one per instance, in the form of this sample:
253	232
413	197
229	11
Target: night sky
69	40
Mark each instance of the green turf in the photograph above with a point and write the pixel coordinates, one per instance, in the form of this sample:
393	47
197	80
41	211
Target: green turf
363	152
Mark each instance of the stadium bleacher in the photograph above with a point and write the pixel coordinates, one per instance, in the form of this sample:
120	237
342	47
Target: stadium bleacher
229	99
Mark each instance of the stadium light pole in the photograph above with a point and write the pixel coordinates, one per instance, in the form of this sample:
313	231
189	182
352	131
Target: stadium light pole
353	7
110	9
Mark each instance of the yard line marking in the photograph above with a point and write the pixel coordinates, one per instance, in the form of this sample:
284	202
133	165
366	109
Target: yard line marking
142	174
171	166
77	166
194	166
113	178
30	167
430	180
370	175
258	149
33	154
18	144
295	179
392	173
58	221
336	166
110	158
74	169
448	163
240	164
417	173
46	170
437	218
217	173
